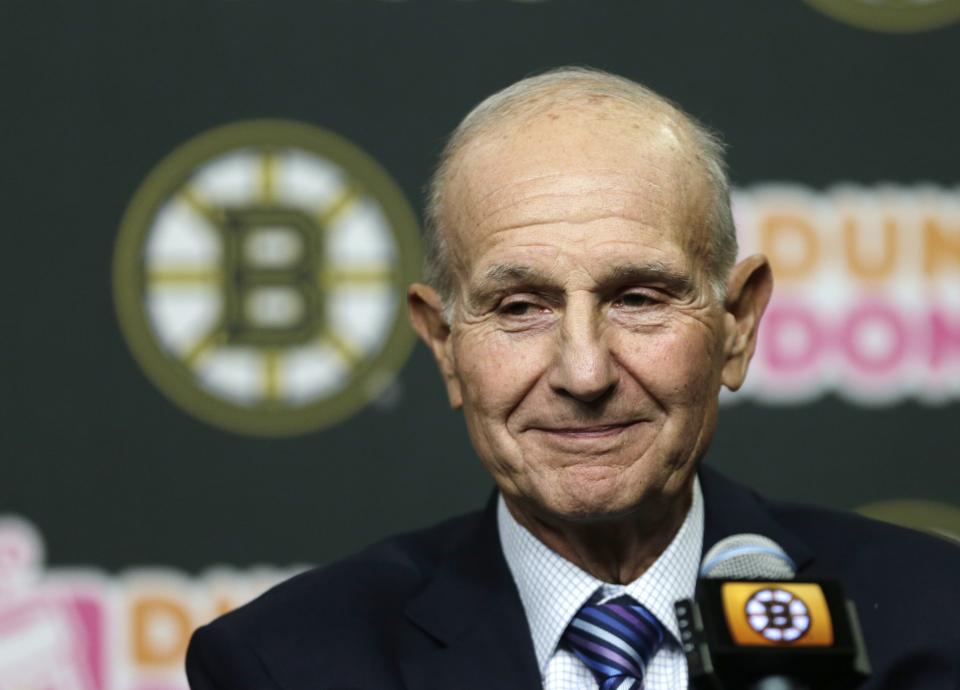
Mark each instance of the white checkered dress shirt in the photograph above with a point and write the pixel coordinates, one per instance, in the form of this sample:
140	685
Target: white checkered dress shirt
553	589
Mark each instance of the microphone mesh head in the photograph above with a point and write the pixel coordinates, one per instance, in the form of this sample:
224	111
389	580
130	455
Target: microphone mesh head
747	557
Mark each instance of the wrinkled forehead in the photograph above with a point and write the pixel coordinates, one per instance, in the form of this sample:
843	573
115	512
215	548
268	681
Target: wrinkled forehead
575	163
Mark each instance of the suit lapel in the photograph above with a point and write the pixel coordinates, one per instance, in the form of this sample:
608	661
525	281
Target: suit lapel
472	610
731	508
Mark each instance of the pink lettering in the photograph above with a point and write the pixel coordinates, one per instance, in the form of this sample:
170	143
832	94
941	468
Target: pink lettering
791	338
874	337
944	338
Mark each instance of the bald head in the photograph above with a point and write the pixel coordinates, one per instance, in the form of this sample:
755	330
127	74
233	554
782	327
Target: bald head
598	120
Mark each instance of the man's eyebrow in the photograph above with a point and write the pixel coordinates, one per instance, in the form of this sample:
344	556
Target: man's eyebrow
512	273
654	272
505	276
501	277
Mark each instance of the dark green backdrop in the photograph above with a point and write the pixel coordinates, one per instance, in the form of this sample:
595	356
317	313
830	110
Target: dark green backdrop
96	93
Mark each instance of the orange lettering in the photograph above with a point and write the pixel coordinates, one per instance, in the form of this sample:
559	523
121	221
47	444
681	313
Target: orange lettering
777	232
940	247
161	630
878	268
223	604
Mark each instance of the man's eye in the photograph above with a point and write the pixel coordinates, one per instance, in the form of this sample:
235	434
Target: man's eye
634	300
517	309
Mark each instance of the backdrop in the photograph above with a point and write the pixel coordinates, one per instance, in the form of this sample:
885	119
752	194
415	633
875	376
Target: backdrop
210	215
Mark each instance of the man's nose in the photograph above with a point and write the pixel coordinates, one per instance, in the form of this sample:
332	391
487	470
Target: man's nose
583	367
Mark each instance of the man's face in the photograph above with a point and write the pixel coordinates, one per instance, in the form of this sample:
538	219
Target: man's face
586	348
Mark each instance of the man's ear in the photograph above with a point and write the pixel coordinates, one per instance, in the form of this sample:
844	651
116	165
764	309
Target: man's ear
426	315
748	292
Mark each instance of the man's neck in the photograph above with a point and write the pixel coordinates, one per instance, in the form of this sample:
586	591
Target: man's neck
618	550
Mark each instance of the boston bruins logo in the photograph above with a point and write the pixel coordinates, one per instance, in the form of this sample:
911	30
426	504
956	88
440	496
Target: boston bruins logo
778	615
260	275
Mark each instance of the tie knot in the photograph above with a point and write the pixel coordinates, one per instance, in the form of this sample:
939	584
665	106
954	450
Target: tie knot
616	640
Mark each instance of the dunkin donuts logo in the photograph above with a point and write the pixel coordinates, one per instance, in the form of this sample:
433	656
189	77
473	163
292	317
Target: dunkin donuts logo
867	292
81	629
260	277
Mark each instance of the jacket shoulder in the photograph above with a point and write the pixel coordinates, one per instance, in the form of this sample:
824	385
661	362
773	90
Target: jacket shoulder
850	541
336	615
836	543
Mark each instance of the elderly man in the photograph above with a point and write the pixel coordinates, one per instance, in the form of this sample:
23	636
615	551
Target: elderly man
584	309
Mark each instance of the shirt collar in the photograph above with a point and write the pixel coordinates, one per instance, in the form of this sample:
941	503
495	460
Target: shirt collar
552	589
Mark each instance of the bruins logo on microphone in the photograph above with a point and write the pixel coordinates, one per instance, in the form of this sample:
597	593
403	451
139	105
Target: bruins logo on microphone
891	15
260	275
777	613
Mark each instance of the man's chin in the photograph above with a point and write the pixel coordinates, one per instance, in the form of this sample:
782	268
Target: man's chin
600	504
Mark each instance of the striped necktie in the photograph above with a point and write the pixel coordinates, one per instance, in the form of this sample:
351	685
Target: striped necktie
616	640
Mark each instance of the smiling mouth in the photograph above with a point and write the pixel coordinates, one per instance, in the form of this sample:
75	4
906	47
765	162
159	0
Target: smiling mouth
586	432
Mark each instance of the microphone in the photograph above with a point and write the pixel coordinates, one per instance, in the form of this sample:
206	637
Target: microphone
753	626
747	557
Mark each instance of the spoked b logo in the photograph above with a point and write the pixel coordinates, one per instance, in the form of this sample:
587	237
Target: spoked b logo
260	274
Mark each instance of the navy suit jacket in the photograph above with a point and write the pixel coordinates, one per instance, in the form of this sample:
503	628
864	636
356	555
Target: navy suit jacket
438	609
